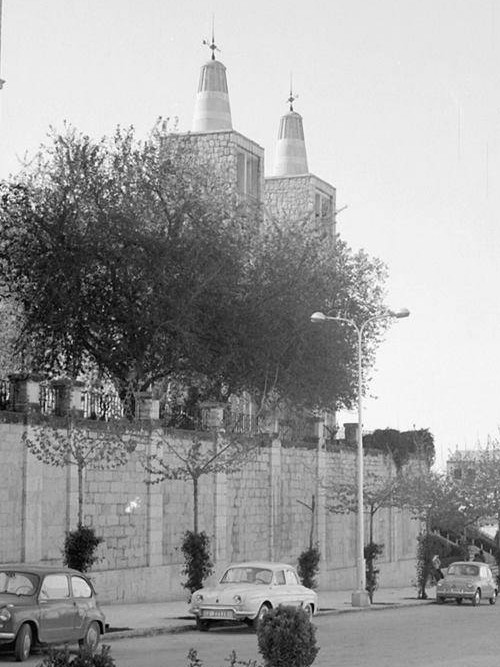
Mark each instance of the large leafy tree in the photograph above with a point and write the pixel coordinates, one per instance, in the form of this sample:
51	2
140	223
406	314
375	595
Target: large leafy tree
136	258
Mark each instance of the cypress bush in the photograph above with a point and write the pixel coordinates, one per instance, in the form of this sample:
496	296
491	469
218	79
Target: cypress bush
287	638
307	567
198	566
79	548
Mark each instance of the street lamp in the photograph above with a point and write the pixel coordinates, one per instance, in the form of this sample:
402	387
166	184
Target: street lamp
360	597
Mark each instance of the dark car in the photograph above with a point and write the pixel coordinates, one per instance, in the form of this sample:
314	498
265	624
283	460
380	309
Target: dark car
47	605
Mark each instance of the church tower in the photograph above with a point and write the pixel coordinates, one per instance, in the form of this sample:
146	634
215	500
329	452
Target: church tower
239	160
293	193
291	155
212	110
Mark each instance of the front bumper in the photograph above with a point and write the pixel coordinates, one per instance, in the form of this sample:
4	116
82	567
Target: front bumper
457	593
6	637
222	613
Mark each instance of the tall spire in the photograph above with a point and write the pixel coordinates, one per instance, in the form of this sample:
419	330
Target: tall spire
212	110
291	157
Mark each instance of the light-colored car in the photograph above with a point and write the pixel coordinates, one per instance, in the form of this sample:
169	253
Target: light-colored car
47	605
247	591
467	580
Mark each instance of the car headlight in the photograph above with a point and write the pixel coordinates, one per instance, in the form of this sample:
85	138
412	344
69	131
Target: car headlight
237	599
440	584
5	614
198	597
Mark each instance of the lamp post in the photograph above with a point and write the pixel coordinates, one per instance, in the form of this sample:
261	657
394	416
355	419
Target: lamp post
360	597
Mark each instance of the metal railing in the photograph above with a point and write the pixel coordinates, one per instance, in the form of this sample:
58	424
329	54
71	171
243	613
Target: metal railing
102	406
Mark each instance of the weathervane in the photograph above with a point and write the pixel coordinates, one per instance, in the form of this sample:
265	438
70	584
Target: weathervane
292	97
211	45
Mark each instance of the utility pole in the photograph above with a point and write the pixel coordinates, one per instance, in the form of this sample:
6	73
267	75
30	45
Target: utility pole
1	80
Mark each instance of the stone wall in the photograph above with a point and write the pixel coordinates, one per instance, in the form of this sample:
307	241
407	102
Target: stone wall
293	198
258	512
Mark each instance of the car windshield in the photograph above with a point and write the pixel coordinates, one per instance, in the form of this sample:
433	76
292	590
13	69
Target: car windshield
464	570
247	575
18	583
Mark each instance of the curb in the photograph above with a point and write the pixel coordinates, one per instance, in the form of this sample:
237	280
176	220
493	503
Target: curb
176	628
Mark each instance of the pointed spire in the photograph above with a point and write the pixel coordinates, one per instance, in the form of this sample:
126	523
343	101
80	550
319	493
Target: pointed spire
291	157
212	110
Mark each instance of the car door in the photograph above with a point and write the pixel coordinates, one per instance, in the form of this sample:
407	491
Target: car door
84	601
295	589
279	589
57	610
488	584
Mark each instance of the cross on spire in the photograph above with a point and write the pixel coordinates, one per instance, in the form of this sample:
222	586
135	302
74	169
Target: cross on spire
291	99
212	46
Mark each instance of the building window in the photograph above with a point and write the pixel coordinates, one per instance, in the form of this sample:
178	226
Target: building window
323	205
248	174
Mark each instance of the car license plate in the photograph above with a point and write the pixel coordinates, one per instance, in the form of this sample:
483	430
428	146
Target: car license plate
217	613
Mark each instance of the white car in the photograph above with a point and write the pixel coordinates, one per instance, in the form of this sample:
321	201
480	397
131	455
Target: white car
247	591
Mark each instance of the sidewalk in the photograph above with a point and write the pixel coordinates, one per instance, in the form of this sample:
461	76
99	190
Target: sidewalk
154	618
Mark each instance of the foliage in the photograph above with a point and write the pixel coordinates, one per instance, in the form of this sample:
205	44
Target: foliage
308	565
193	658
198	566
197	461
63	658
371	553
135	256
232	660
401	445
79	548
378	492
102	449
432	498
287	638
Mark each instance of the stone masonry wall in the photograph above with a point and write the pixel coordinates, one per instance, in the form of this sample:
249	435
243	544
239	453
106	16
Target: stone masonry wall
255	513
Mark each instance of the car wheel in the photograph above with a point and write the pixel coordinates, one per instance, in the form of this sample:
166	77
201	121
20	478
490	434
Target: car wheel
24	641
459	600
91	638
477	598
202	625
309	610
440	599
263	611
493	599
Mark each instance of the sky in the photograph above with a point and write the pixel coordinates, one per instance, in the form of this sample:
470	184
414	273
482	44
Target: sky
401	108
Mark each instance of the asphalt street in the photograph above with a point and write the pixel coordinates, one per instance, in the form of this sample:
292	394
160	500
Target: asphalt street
427	636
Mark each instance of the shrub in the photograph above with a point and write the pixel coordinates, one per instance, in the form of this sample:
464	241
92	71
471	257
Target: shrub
287	638
79	548
308	565
371	553
198	566
63	658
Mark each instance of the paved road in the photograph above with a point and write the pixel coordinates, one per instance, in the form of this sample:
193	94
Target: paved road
429	636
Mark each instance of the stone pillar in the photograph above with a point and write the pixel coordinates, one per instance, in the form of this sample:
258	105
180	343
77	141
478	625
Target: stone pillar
25	392
155	524
351	434
275	498
212	415
31	549
62	396
220	510
147	407
75	400
321	536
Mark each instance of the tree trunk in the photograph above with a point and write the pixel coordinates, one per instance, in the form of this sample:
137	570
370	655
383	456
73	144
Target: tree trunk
311	532
80	495
195	505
